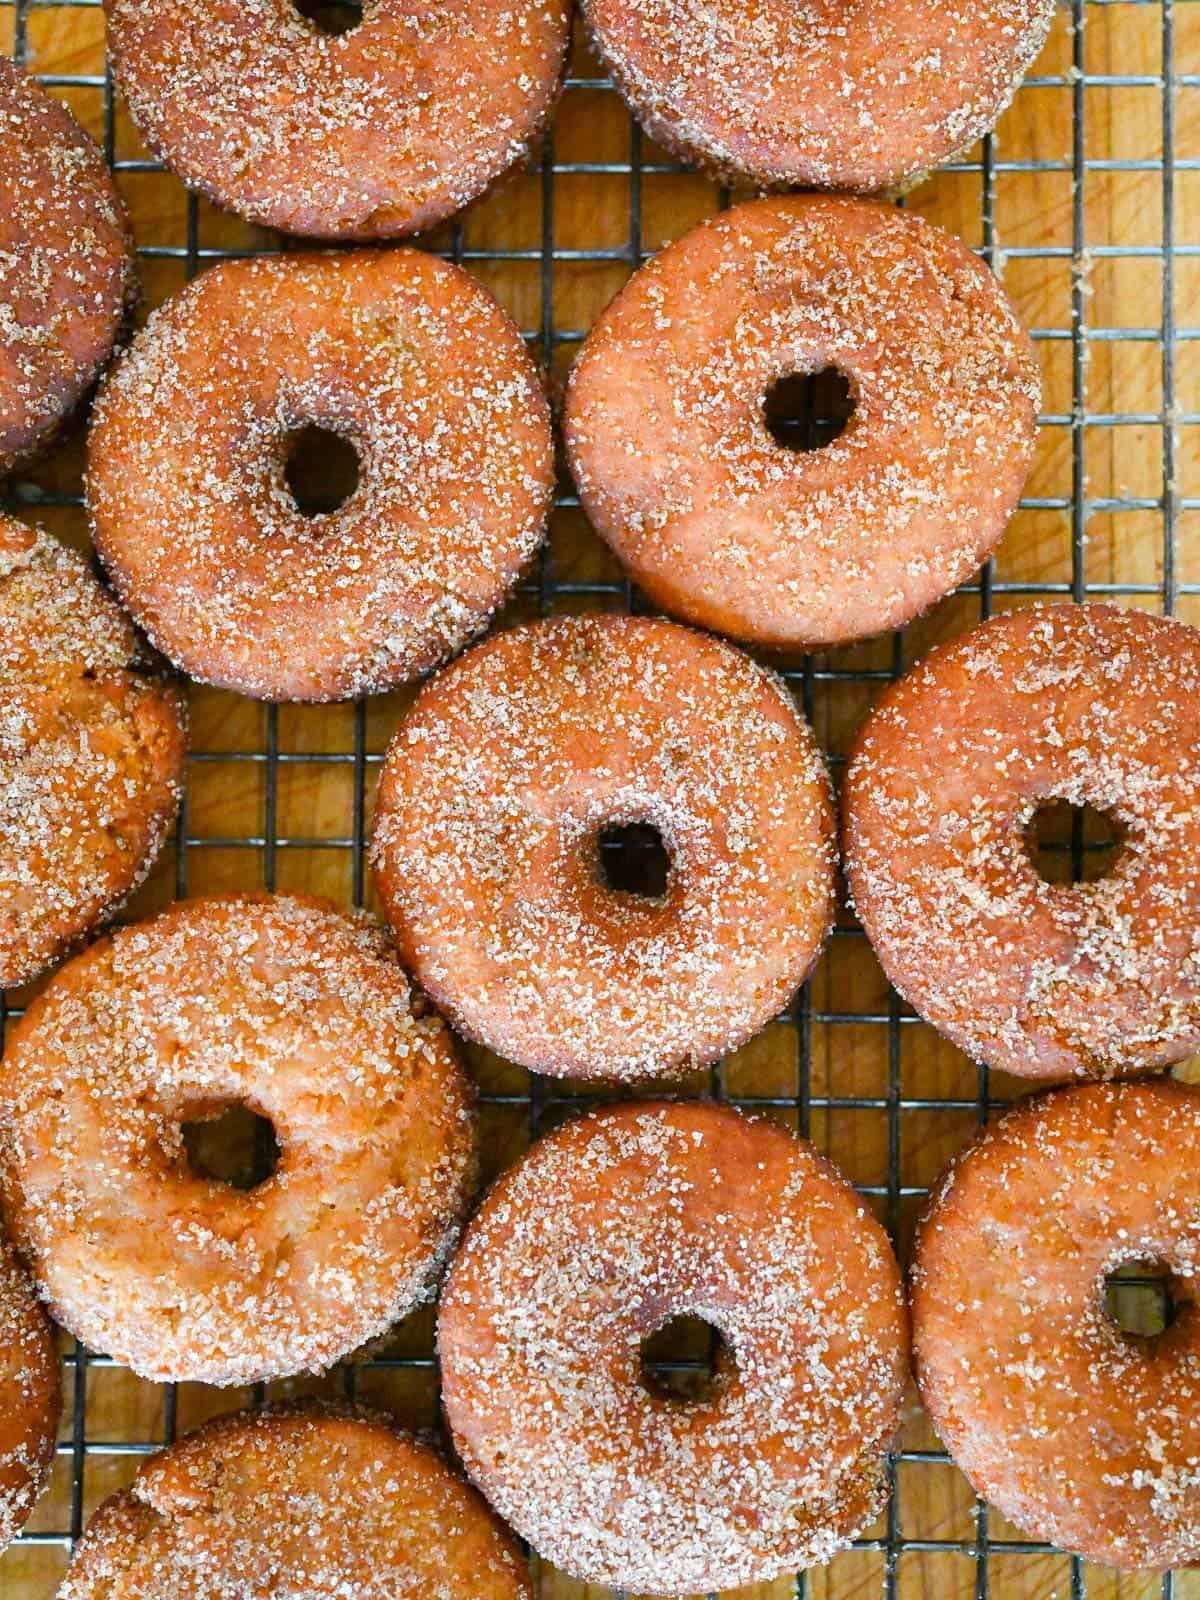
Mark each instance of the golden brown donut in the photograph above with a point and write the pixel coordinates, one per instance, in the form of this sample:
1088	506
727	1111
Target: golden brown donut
29	1398
380	131
1081	1434
67	275
91	753
819	94
288	1007
496	792
315	1503
668	441
609	1228
1090	704
401	354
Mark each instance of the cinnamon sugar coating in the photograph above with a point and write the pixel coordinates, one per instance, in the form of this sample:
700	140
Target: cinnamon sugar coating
1090	704
668	440
607	1229
299	1012
819	94
29	1398
313	1503
1082	1435
67	274
377	132
495	791
407	358
91	753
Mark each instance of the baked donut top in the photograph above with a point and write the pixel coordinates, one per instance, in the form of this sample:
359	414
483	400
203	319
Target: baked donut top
824	94
312	1504
29	1397
608	1228
91	751
298	1012
66	264
1093	705
400	353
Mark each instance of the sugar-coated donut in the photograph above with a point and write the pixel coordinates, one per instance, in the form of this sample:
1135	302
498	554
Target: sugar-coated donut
300	1013
379	131
819	94
311	1502
29	1398
91	753
668	439
496	792
410	360
1093	705
609	1228
67	275
1081	1434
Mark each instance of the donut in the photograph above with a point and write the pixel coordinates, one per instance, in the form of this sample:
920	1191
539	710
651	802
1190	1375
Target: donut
668	439
400	354
29	1398
298	1012
496	796
377	132
318	1503
1092	705
91	753
609	1228
866	95
67	276
1082	1435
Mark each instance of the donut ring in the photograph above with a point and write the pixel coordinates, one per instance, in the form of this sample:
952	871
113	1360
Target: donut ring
720	524
67	274
280	1004
1090	704
1081	1434
830	94
30	1398
607	1229
495	793
91	753
381	131
411	361
317	1502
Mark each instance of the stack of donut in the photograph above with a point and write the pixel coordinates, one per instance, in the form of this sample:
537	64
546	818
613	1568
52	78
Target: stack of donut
514	776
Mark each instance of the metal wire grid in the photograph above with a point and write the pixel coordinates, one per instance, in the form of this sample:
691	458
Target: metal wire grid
545	589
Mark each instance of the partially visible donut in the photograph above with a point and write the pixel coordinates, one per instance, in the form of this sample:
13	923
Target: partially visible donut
609	1228
495	798
398	352
1094	705
668	440
1081	1434
29	1398
382	130
67	276
312	1502
819	94
298	1012
91	753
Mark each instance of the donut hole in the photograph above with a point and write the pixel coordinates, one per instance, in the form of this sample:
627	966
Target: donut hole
231	1144
632	858
331	16
1142	1299
806	411
1073	844
682	1360
321	470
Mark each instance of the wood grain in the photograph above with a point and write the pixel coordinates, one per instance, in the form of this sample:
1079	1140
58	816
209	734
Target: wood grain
1060	266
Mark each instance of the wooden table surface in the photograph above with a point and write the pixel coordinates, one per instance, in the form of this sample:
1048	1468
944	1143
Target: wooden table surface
1086	272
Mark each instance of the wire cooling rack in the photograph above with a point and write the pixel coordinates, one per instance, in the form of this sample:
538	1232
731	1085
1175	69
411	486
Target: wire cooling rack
1088	202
